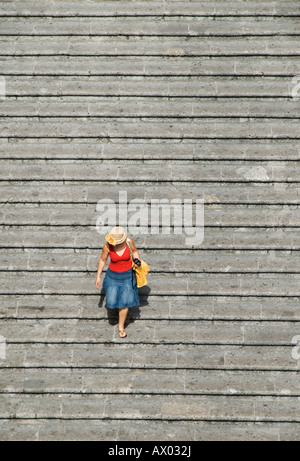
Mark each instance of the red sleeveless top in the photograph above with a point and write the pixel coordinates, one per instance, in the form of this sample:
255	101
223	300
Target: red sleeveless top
120	263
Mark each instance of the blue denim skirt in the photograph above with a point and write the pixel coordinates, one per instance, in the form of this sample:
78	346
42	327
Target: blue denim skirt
121	289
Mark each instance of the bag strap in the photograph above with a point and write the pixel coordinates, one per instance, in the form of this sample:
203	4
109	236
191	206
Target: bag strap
130	249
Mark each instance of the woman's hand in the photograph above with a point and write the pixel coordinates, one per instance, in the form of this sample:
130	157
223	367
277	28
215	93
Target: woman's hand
98	282
137	262
103	259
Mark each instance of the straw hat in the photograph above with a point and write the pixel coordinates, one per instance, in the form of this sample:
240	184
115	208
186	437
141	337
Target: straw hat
116	236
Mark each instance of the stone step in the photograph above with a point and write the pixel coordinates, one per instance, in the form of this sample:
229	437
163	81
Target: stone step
153	307
137	407
153	109
73	237
214	215
207	129
148	332
143	381
138	171
197	26
146	87
190	150
88	194
160	284
149	46
176	431
147	66
124	355
155	8
84	260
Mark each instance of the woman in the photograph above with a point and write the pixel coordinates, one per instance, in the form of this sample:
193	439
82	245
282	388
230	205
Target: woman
119	284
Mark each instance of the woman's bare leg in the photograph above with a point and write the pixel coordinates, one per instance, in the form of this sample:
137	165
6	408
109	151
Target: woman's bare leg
122	318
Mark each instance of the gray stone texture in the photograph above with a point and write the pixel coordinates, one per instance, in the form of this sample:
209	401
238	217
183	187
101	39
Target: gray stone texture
159	100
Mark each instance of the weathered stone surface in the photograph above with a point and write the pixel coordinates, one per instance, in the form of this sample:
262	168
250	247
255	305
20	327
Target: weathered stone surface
106	46
186	331
165	100
130	26
186	172
135	8
238	108
233	408
233	238
214	215
186	150
148	87
86	260
150	66
161	284
154	307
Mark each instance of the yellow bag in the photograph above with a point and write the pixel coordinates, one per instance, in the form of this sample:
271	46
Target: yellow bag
140	272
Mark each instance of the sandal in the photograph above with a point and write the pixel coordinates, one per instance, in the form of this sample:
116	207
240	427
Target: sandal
121	334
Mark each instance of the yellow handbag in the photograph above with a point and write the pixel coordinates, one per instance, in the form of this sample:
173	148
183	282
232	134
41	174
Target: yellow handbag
140	272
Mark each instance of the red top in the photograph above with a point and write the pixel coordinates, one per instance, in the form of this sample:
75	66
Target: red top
120	263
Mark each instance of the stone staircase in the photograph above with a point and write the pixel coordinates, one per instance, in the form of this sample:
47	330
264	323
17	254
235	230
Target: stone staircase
160	100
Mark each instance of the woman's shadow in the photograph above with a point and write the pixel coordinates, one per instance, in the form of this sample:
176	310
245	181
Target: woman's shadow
133	314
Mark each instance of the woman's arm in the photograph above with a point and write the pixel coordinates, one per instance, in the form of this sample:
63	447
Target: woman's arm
135	252
101	265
